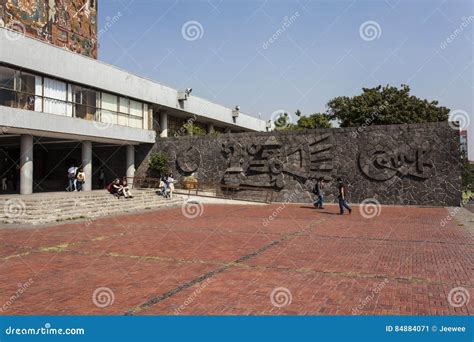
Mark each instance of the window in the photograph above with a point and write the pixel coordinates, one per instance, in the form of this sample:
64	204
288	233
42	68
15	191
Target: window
21	89
56	94
85	102
109	106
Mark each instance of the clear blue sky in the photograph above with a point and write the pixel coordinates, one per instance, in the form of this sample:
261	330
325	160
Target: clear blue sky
319	56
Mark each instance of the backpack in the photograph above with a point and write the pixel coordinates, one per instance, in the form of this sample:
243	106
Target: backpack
109	187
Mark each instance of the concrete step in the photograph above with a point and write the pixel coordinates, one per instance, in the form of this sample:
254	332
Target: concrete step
63	208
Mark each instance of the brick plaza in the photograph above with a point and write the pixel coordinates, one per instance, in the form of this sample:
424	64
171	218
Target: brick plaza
232	260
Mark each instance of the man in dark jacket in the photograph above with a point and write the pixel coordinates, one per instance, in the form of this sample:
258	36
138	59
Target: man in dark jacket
342	197
318	190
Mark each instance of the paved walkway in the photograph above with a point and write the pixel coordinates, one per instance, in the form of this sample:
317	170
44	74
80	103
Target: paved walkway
233	259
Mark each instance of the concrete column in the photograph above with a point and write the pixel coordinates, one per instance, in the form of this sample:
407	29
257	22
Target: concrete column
26	164
210	128
130	173
87	164
163	125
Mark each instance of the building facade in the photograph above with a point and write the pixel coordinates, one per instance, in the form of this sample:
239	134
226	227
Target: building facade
59	108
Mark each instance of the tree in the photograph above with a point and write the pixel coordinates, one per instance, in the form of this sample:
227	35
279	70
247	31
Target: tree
158	163
383	106
316	120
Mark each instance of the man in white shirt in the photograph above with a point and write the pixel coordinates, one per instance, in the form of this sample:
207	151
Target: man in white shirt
71	176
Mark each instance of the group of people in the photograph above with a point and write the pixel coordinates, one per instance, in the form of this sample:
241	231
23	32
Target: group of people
119	188
166	185
76	178
318	190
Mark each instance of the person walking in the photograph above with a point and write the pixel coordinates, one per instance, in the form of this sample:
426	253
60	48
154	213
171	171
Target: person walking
343	197
319	192
71	176
80	179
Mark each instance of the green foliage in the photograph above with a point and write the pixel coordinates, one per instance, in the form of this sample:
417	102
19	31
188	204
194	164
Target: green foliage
316	120
383	106
158	163
193	129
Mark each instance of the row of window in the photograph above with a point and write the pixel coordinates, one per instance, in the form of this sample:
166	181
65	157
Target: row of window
25	90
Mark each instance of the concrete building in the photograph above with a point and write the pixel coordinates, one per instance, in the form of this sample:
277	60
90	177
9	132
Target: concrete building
464	143
59	108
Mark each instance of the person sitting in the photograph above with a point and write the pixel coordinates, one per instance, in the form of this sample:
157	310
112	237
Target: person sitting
125	189
115	188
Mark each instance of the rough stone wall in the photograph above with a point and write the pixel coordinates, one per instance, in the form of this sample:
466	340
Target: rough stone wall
71	24
416	164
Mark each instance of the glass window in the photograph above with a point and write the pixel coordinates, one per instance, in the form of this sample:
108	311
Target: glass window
136	108
55	97
109	102
85	101
7	77
124	104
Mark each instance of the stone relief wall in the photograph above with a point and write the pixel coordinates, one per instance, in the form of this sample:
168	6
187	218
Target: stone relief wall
397	164
71	24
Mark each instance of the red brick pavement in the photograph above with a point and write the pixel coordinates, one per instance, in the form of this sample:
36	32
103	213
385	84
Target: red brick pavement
230	259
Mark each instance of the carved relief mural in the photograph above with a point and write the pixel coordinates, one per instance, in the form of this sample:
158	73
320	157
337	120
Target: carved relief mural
71	24
400	164
267	164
